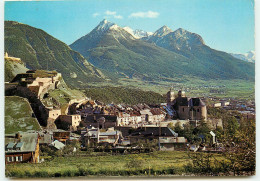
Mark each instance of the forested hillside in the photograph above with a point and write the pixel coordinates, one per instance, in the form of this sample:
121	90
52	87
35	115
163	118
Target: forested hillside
39	50
124	95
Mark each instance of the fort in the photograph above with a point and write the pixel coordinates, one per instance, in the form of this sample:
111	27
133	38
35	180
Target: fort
38	81
34	85
14	59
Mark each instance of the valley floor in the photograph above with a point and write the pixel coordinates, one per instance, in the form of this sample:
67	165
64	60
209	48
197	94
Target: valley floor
239	89
168	163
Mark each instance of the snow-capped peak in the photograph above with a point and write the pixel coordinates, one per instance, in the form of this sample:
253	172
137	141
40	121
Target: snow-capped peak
114	27
142	33
129	30
137	33
248	57
104	25
162	31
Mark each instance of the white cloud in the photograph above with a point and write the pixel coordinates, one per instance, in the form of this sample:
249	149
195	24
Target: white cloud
118	16
95	15
113	14
148	14
110	12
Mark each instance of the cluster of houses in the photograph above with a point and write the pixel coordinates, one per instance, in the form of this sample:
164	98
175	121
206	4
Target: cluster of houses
25	147
94	124
245	107
94	113
103	116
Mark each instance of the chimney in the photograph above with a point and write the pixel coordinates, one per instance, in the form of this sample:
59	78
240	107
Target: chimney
18	136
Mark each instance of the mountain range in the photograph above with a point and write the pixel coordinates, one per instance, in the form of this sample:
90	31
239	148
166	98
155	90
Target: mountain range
248	57
138	33
164	54
112	52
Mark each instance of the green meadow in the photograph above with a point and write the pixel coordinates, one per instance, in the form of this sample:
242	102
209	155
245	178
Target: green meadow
105	164
238	89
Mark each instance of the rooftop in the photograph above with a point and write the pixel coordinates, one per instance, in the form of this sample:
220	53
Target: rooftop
26	143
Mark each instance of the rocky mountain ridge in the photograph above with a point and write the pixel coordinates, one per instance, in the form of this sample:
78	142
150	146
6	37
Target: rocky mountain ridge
166	54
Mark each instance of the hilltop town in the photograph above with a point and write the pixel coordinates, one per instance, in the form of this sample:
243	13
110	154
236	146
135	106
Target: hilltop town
95	124
66	120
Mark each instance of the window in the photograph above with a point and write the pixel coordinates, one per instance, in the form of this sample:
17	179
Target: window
183	109
19	158
9	159
16	158
198	110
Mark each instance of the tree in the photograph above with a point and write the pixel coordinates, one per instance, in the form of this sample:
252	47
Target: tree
178	128
69	148
219	131
202	129
239	151
188	132
231	125
170	125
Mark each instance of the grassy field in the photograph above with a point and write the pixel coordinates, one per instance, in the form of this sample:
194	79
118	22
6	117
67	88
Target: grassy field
64	94
240	89
18	115
105	164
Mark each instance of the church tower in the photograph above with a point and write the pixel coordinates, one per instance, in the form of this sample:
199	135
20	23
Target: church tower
181	93
170	97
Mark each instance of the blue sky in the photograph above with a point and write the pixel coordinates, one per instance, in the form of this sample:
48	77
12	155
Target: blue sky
226	25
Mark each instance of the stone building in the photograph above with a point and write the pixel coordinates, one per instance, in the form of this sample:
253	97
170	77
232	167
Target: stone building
172	143
15	59
100	121
150	133
38	81
93	136
68	122
129	118
187	108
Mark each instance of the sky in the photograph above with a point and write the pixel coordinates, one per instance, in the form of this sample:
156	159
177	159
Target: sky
226	25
